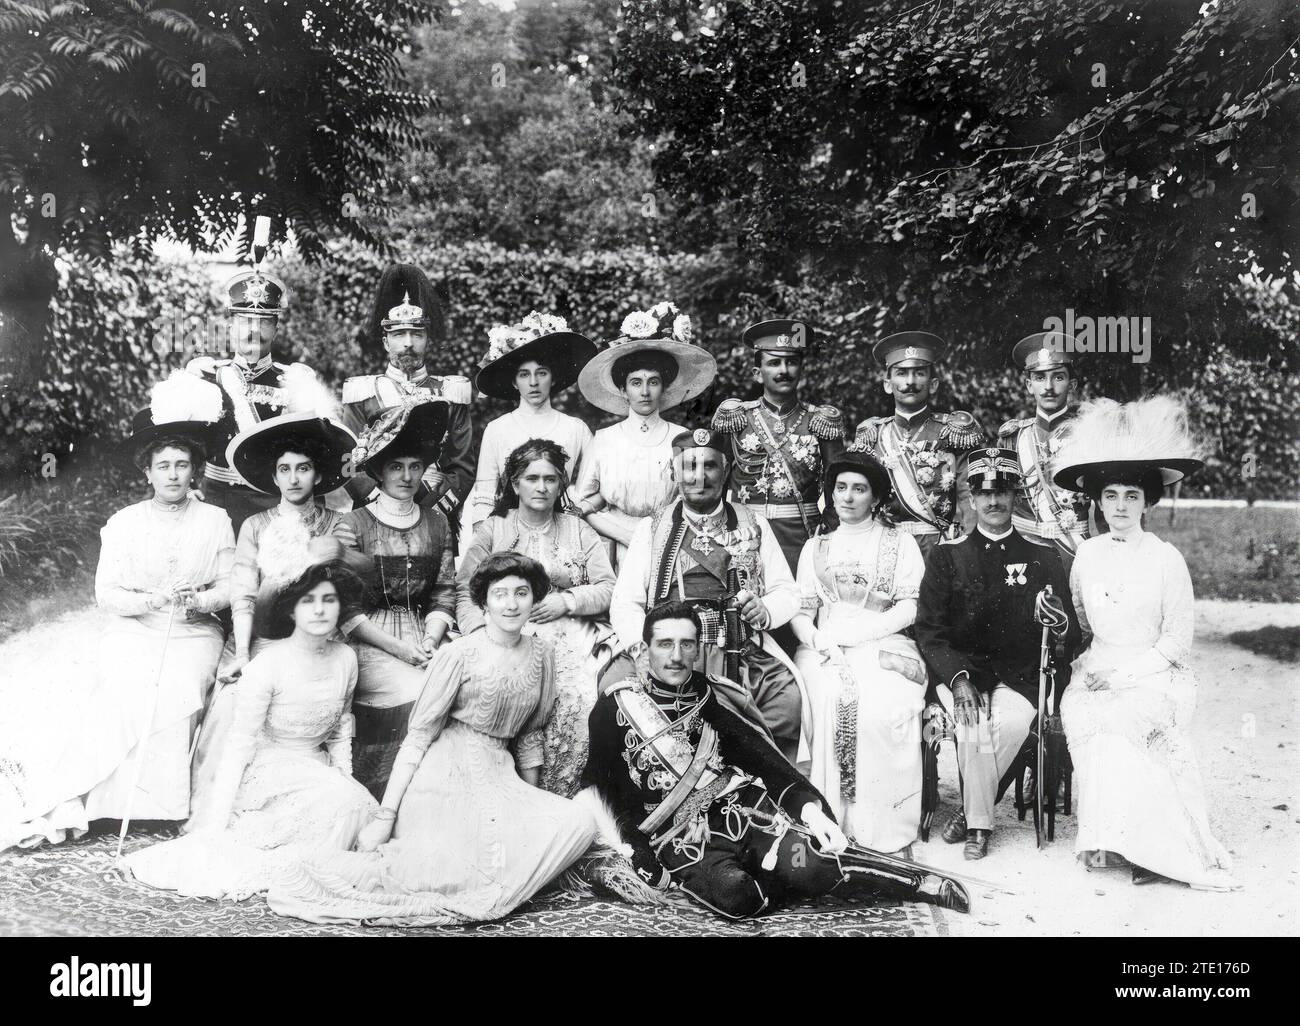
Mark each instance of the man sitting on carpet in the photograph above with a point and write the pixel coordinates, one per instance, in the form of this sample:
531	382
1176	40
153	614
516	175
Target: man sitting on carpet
705	800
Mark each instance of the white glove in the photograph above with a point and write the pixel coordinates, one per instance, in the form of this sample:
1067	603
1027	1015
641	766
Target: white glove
829	836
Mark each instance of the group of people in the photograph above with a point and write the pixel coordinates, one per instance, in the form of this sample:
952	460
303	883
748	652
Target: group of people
382	678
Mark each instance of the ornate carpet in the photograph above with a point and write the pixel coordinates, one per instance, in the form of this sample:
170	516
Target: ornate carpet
74	890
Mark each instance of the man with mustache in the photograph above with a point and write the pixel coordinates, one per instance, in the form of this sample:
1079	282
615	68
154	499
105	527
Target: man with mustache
254	387
722	559
779	443
406	313
703	800
1044	512
979	627
921	448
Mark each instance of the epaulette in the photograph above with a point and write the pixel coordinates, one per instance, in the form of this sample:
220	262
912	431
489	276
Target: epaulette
826	422
867	435
359	389
1013	425
731	416
960	429
456	388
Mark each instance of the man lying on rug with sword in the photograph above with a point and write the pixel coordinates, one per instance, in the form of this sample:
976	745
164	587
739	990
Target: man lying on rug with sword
704	799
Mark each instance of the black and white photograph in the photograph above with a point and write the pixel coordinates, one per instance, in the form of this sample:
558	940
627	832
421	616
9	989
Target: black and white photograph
651	469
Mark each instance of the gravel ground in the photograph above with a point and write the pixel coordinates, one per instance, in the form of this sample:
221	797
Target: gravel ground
1243	734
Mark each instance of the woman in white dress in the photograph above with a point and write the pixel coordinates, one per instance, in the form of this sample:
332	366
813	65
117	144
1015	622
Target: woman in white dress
1129	706
163	575
531	518
284	787
866	682
464	833
528	362
627	473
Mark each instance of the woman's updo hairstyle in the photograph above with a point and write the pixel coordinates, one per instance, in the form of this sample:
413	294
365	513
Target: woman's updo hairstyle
501	565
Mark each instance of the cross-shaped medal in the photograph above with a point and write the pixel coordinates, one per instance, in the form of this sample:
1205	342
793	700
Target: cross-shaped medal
702	543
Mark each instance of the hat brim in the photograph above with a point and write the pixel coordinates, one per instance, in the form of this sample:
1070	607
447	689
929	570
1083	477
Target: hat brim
696	370
859	463
565	353
198	433
1171	471
425	426
253	452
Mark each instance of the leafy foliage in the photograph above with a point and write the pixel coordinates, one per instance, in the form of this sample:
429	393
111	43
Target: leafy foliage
973	167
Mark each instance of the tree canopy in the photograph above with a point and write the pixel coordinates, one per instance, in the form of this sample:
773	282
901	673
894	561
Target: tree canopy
974	167
134	120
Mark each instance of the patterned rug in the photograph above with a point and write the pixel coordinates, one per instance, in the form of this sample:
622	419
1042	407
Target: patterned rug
73	890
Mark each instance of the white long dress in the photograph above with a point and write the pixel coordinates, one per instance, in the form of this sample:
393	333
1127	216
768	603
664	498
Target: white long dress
1139	790
631	470
56	777
285	776
865	729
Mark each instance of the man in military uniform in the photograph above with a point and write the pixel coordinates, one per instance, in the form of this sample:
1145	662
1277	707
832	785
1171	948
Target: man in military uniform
779	443
704	801
922	449
1044	512
725	561
406	313
253	386
983	604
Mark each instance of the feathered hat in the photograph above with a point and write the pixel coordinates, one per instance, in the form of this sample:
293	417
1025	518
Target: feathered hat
1147	443
539	337
405	299
687	368
417	425
181	406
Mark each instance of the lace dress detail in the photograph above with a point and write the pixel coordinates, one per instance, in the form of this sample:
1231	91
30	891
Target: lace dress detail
865	715
575	561
472	840
284	785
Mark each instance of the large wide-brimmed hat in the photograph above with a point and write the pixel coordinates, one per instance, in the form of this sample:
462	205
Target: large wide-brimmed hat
859	461
418	424
181	406
253	452
664	330
539	337
1142	442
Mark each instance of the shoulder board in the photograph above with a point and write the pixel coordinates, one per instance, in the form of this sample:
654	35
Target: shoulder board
730	416
359	389
1012	426
456	388
826	422
960	429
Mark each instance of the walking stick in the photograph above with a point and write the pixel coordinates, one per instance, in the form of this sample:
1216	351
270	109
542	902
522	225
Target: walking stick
1044	671
142	747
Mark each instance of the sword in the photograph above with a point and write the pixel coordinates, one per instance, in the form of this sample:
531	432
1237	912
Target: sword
1044	673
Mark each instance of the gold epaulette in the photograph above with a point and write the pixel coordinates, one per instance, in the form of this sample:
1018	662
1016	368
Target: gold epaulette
359	389
826	422
456	388
867	435
1012	426
730	417
960	430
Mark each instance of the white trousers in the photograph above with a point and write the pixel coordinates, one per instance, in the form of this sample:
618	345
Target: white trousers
985	751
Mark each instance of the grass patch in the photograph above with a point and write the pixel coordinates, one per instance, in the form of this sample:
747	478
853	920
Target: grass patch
49	539
1217	544
1280	643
